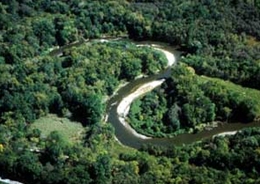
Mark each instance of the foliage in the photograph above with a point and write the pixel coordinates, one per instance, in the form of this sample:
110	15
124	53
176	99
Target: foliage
219	38
188	100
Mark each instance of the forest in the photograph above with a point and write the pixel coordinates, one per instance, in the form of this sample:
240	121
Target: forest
188	102
217	78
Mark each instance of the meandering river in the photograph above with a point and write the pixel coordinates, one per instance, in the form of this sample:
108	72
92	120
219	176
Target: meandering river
129	137
123	131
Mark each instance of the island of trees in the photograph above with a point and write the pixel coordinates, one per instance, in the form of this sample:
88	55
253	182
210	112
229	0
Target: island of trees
217	79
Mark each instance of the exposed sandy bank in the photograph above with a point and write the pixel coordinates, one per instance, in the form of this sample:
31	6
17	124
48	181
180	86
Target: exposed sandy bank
226	133
9	181
124	105
170	57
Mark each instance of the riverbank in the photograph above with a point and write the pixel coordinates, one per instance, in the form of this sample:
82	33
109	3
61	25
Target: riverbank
9	181
124	105
225	134
170	57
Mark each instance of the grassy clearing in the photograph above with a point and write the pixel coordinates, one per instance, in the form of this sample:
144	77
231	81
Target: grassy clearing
243	93
119	149
252	41
70	131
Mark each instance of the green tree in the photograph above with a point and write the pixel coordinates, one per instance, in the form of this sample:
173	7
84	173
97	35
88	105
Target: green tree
45	31
173	117
130	69
29	165
103	169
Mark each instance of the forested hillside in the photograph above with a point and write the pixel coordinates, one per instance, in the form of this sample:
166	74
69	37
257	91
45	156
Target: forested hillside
52	66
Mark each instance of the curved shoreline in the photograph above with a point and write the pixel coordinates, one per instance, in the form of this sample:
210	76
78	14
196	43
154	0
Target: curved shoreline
170	57
223	134
171	60
124	105
9	181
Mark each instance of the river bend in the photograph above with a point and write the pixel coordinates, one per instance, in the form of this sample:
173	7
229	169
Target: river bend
119	104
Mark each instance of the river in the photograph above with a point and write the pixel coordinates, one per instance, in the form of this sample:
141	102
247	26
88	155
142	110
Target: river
127	136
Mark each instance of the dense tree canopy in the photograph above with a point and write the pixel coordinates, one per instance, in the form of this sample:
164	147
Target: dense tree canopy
188	100
219	39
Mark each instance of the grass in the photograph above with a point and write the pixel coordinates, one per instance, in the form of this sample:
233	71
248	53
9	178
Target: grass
70	131
252	41
243	92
